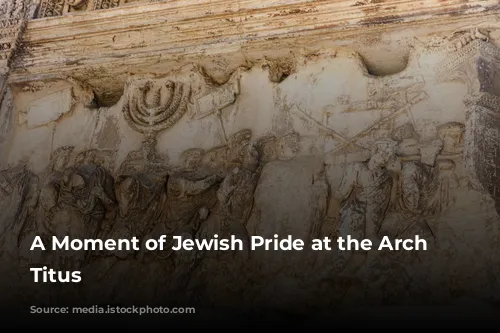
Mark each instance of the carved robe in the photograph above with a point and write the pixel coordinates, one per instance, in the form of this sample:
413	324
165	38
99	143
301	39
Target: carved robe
141	205
236	197
422	191
86	195
185	197
181	203
366	196
19	198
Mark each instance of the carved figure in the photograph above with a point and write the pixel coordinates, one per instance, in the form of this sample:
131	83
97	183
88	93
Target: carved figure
51	185
365	191
452	135
145	160
19	199
103	158
185	197
423	187
86	199
186	194
416	185
236	196
139	201
283	148
222	160
320	202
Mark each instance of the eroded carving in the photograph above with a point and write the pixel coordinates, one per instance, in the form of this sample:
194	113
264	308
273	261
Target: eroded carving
365	191
85	200
457	58
397	178
146	159
152	107
282	148
19	193
13	9
10	34
51	8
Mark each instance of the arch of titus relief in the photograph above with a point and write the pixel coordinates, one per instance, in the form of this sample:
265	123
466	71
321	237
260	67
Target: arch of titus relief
314	119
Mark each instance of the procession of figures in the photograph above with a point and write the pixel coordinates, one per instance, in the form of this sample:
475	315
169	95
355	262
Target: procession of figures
399	192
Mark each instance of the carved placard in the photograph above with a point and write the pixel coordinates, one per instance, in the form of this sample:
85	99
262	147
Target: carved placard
49	108
217	99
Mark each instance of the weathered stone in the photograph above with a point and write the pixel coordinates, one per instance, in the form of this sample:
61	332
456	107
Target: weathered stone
308	119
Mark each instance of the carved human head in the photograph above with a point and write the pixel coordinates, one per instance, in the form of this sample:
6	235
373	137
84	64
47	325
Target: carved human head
288	146
383	152
452	135
214	160
77	181
267	148
408	140
61	157
405	132
190	159
241	138
175	188
251	158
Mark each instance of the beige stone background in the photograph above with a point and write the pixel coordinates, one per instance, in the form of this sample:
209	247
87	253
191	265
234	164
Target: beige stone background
337	92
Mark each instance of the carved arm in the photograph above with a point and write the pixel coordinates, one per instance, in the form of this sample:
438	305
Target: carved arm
199	186
347	182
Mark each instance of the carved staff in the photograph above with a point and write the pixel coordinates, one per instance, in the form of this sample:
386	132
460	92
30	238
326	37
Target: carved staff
336	135
422	96
216	101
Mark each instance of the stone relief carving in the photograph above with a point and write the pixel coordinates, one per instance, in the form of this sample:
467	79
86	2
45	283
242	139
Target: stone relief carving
102	158
52	8
11	29
405	183
105	4
402	189
463	38
365	191
458	55
13	9
19	191
153	107
281	148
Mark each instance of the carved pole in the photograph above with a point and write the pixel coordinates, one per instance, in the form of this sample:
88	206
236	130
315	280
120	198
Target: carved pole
405	108
222	129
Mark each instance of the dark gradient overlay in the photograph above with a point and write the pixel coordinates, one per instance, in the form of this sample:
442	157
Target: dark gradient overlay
229	287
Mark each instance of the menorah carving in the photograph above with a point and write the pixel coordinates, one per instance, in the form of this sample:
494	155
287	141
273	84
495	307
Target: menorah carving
154	106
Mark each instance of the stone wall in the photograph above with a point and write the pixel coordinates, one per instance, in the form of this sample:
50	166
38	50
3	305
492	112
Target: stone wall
313	143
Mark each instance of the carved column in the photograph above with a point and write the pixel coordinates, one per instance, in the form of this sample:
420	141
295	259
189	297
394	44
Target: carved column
482	138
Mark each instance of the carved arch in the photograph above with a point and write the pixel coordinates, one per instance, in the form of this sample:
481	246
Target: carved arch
477	61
